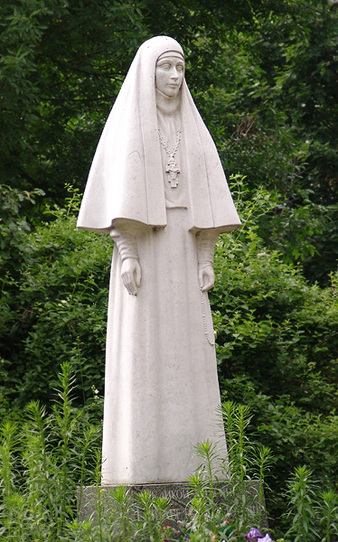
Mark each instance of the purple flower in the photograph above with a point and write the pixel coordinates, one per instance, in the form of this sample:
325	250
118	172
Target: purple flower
253	535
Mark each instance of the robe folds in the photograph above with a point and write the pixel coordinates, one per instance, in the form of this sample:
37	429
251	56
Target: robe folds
124	179
161	384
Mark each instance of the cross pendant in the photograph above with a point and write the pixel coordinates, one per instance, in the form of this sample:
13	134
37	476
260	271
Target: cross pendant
173	170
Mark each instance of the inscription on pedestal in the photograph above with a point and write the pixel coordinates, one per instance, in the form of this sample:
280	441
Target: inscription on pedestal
179	495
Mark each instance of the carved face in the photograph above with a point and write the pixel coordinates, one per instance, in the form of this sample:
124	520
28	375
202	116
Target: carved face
169	74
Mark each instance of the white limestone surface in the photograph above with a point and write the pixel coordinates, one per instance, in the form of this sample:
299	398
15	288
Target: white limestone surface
157	186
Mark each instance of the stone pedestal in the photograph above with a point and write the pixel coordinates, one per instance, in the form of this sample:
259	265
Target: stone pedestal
90	498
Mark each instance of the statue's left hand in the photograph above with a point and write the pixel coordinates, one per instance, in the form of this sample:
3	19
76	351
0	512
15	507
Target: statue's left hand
206	276
131	275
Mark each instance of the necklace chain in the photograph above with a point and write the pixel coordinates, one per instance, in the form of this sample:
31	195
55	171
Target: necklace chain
172	167
165	146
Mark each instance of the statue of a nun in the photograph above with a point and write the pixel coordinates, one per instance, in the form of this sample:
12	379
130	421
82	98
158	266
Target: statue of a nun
157	187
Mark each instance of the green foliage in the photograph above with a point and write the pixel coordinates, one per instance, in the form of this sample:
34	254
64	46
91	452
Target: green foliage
53	304
327	511
13	229
62	65
45	459
15	253
277	348
262	74
314	516
301	494
276	334
42	460
244	473
245	462
270	324
266	90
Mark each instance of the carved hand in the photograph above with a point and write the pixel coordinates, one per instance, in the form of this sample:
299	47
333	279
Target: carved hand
206	240
131	275
206	276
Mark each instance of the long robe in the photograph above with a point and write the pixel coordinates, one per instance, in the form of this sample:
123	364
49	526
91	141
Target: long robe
161	391
161	385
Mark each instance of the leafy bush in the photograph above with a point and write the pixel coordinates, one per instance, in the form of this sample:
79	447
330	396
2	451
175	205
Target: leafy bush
45	460
277	348
275	333
54	306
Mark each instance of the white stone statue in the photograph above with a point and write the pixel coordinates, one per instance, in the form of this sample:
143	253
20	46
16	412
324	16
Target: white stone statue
157	187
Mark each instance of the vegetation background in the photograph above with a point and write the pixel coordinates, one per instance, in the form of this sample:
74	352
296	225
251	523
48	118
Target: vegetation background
263	75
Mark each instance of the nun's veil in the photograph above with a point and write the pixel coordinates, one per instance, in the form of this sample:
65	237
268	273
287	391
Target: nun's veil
125	179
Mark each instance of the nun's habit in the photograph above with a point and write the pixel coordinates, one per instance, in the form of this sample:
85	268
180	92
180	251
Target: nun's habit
161	385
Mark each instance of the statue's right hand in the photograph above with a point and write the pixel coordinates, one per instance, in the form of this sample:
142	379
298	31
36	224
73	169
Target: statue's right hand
131	275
